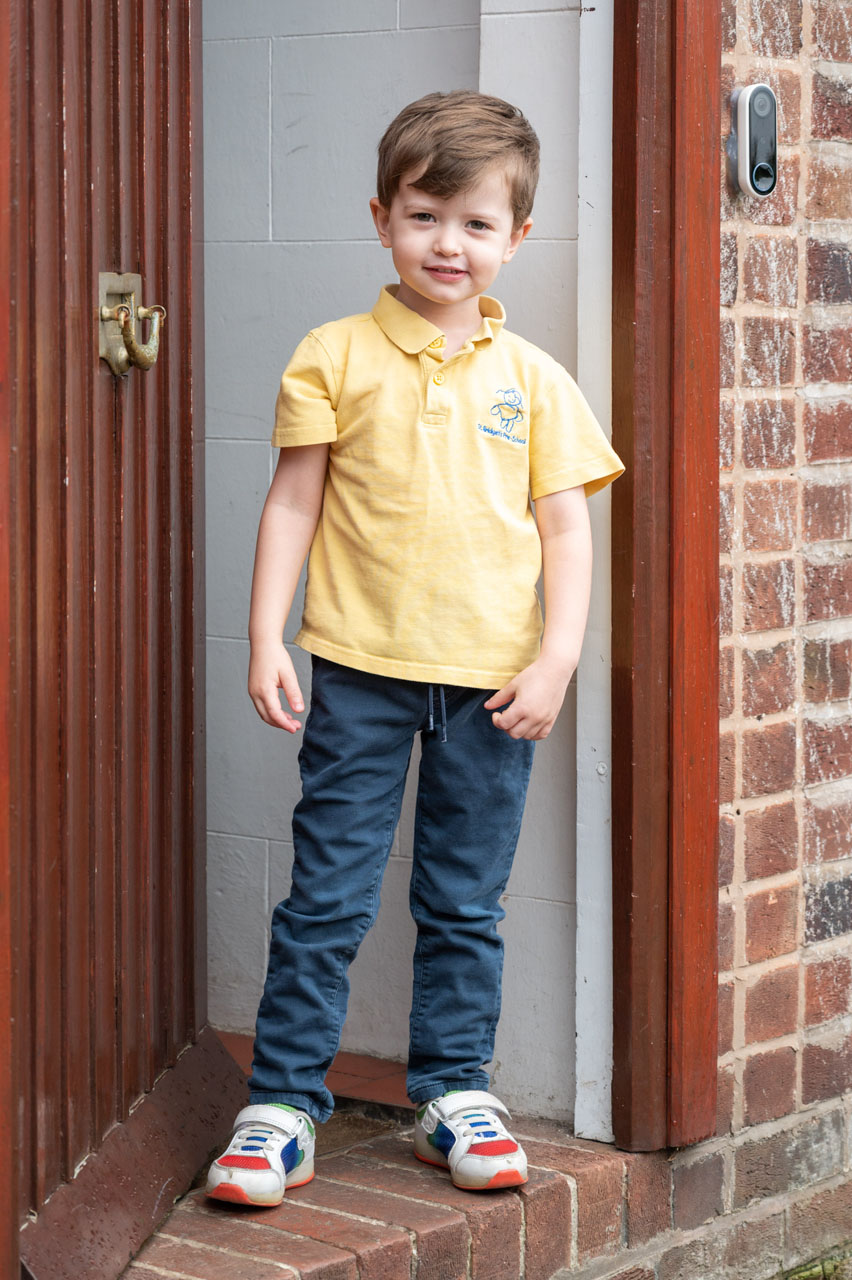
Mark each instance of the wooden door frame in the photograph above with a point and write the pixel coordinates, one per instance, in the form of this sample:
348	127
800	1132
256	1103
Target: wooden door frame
665	359
8	949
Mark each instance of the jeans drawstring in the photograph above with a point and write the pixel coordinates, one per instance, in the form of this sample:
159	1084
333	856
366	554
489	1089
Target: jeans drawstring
430	704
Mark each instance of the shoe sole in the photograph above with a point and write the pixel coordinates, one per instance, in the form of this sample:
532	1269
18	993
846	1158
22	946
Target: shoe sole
505	1178
235	1194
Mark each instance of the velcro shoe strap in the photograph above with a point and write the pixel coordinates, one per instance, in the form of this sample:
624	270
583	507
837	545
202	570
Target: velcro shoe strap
261	1113
469	1099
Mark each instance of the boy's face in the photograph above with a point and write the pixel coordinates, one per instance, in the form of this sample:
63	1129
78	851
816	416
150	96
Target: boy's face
448	251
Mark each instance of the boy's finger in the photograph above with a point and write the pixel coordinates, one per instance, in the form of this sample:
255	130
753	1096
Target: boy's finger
518	730
261	707
268	707
501	697
521	728
281	719
509	718
272	711
292	692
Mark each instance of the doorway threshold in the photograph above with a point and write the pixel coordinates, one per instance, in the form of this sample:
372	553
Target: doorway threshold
356	1076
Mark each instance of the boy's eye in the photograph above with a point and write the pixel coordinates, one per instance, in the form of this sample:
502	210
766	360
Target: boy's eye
423	217
478	224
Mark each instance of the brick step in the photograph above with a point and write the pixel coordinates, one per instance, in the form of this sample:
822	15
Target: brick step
374	1213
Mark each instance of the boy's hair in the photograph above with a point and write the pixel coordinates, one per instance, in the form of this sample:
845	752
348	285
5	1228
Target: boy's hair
458	136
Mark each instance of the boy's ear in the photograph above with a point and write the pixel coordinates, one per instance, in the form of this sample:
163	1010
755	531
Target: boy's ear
381	217
516	239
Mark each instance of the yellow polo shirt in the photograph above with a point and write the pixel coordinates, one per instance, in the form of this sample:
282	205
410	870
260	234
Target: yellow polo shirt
426	556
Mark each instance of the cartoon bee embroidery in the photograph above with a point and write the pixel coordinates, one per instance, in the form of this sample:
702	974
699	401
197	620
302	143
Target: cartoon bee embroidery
509	408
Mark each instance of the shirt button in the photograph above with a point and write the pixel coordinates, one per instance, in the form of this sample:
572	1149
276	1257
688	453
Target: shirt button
437	378
436	342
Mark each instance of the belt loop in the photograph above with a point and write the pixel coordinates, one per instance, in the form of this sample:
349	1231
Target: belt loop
443	713
430	702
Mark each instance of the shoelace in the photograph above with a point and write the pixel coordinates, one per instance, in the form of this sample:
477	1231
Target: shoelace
482	1124
252	1139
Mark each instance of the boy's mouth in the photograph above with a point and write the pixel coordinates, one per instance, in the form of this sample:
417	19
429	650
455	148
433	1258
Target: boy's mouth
450	273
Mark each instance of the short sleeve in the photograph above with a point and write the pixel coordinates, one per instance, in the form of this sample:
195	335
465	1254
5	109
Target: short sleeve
305	411
568	446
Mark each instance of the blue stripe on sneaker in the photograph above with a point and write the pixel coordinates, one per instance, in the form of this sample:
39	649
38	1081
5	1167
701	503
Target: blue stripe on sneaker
291	1155
443	1138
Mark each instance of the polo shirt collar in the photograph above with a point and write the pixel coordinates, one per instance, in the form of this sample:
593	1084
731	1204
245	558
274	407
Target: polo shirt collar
412	334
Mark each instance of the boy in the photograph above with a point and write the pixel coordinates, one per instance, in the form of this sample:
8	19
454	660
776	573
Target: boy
412	438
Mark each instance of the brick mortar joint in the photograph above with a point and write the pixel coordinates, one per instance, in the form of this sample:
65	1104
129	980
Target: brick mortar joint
522	1239
413	1261
728	1167
398	1195
344	1213
205	1246
747	1135
781	880
825	1036
622	1239
818	873
574	1251
815	553
135	1266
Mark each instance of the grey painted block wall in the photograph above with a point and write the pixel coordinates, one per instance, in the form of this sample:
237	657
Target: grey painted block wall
296	97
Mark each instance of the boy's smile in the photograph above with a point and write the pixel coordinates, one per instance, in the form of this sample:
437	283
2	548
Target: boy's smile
448	250
446	273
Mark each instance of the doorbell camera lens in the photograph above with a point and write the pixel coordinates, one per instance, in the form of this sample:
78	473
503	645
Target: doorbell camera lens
762	104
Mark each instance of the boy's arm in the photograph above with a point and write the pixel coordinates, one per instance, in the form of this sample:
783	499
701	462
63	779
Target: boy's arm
287	525
536	693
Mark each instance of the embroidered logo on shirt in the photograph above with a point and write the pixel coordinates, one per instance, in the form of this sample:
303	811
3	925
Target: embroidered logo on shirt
509	413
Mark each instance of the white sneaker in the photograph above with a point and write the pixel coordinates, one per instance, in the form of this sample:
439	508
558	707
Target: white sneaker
462	1132
271	1149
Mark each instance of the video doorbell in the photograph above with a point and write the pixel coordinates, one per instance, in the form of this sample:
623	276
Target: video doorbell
752	145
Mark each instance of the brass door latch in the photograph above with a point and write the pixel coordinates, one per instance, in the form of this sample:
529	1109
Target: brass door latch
118	312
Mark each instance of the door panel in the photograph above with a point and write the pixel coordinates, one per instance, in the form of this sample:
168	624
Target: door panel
75	687
102	534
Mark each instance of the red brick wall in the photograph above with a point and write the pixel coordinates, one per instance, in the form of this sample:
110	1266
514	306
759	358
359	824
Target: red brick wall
785	899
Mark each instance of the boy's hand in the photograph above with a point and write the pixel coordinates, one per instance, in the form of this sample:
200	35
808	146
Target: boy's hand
535	696
270	669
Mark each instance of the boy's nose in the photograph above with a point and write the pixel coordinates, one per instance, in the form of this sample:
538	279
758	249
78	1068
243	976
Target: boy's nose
447	242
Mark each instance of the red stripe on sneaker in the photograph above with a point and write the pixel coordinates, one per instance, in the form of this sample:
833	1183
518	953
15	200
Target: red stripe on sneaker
244	1162
501	1148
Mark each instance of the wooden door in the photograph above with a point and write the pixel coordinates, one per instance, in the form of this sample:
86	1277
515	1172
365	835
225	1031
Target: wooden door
102	621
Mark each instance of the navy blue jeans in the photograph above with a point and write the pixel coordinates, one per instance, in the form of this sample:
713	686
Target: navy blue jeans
470	799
